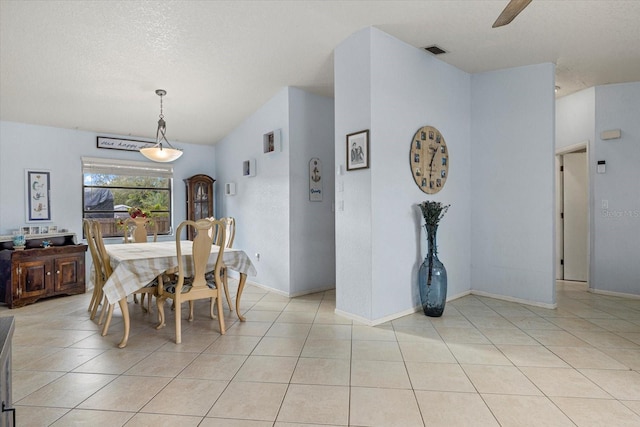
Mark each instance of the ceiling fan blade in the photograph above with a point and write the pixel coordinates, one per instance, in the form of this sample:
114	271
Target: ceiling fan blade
510	12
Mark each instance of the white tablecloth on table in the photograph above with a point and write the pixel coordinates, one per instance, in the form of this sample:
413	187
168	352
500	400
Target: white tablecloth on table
136	264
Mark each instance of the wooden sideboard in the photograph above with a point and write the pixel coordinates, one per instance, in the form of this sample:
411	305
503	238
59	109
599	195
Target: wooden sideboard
36	272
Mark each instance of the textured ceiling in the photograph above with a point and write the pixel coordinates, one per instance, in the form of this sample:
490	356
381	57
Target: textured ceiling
94	65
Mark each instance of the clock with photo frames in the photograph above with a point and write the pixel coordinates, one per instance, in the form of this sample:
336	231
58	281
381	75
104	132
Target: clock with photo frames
429	159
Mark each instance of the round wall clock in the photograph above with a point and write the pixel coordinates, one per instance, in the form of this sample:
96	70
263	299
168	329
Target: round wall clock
429	159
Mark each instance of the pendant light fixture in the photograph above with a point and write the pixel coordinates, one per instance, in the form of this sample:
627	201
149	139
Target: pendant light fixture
160	153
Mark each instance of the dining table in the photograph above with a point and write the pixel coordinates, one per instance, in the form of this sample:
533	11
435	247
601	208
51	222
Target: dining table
136	264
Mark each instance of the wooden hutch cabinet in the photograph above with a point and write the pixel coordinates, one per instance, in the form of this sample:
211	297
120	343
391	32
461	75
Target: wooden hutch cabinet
199	199
35	272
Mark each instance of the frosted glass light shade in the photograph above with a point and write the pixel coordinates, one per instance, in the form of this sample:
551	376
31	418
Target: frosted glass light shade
158	153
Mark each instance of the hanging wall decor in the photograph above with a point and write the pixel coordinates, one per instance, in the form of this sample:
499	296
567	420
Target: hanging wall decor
315	180
272	142
429	159
358	150
38	195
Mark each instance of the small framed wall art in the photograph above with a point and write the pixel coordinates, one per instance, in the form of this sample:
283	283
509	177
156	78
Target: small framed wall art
249	167
358	150
38	195
272	142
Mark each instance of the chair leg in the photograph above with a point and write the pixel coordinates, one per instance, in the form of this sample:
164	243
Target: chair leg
191	311
105	308
178	322
160	305
135	298
226	289
93	299
96	303
211	302
145	309
220	315
107	322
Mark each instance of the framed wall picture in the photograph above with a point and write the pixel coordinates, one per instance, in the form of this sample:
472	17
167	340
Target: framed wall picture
358	150
38	195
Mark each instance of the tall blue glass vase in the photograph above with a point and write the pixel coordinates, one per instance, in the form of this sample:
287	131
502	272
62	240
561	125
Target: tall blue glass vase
432	278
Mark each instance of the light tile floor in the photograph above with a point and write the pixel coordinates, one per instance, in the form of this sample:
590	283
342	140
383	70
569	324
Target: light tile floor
486	362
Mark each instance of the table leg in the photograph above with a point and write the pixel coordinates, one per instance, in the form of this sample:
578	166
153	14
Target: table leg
243	279
125	318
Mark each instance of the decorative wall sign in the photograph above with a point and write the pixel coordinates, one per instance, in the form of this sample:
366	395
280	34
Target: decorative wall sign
122	144
358	150
429	159
315	180
38	196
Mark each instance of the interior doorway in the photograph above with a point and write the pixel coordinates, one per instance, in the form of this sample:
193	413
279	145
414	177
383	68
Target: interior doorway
572	216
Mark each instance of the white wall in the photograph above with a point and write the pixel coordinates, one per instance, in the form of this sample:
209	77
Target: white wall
411	89
25	146
311	131
353	235
393	89
274	216
616	230
512	185
261	203
575	118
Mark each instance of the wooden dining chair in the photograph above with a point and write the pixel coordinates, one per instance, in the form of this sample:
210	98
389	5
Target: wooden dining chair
105	267
151	288
225	241
140	227
88	226
189	284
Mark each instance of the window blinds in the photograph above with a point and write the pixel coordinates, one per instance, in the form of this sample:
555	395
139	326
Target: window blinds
96	165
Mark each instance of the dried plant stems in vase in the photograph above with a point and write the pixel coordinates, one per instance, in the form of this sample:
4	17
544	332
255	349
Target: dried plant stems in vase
432	275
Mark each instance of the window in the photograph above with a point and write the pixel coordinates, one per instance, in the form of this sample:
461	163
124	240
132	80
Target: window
112	187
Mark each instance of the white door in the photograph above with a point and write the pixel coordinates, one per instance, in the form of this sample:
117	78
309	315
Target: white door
575	217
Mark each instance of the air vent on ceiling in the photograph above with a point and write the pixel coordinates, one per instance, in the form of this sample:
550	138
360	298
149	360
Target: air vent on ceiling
436	50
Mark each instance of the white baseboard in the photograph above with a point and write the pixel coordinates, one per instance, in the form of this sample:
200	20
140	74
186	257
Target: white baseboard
379	321
614	294
267	288
311	291
513	299
460	295
393	316
288	295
